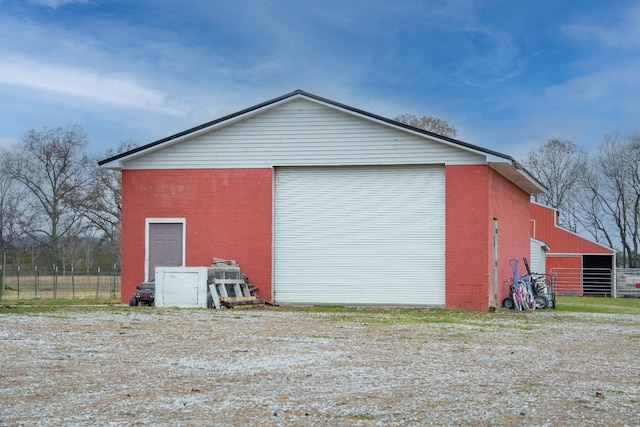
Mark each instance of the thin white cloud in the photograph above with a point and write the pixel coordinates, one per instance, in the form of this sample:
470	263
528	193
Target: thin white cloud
84	83
55	4
625	34
614	86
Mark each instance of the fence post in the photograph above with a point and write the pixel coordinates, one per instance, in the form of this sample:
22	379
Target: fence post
36	277
55	282
73	283
98	283
4	264
113	285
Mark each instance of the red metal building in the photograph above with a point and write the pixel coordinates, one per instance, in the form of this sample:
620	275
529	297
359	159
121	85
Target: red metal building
322	203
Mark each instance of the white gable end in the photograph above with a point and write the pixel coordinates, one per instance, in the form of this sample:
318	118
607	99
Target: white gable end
304	133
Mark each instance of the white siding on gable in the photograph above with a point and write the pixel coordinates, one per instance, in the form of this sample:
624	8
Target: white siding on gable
304	133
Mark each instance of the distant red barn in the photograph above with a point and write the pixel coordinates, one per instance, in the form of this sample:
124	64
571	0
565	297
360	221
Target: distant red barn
581	265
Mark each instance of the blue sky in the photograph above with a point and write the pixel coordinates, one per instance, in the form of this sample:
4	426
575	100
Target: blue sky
508	74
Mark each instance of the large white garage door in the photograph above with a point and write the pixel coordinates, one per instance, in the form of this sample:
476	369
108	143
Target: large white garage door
360	235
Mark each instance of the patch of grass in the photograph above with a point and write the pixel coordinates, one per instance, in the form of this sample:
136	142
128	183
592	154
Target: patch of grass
407	338
363	417
392	315
330	307
529	384
373	315
502	318
62	302
56	305
598	305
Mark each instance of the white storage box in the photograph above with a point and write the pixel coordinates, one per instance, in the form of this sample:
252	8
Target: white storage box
181	287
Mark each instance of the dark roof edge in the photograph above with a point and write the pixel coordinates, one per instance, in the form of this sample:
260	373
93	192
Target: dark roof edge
529	175
317	98
409	127
199	127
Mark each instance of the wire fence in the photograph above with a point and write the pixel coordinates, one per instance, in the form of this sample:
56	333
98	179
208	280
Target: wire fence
628	282
19	284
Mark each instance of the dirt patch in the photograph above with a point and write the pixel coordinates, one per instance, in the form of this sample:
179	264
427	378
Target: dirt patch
149	366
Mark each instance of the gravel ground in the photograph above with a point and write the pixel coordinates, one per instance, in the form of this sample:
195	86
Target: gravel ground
282	367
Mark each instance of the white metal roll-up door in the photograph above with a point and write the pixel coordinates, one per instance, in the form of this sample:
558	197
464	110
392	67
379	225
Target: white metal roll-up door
360	235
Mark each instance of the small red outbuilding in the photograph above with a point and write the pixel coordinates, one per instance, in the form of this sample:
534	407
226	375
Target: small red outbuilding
323	203
578	265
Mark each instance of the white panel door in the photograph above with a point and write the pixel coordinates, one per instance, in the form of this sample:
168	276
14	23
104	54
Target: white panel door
538	257
360	235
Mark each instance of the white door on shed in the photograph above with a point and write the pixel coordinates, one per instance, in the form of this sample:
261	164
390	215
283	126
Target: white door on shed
360	235
538	256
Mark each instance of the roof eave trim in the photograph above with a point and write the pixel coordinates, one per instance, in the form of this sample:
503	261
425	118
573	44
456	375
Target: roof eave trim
519	176
206	127
404	126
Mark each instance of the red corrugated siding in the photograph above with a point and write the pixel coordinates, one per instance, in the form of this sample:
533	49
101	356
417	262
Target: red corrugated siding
476	195
227	211
560	241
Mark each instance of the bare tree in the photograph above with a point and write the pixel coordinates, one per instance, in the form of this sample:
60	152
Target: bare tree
612	190
52	166
103	207
12	208
92	248
431	124
593	208
559	165
11	216
71	246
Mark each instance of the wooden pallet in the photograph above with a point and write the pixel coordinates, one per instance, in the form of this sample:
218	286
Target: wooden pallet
233	292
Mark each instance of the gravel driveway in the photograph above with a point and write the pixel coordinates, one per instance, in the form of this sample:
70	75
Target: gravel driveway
276	366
